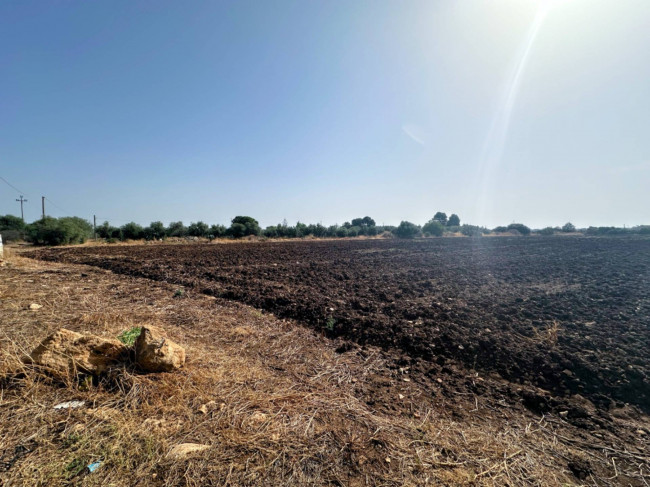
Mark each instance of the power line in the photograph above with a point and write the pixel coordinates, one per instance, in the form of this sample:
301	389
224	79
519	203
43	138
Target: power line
56	206
12	186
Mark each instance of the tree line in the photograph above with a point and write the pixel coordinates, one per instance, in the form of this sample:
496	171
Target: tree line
72	230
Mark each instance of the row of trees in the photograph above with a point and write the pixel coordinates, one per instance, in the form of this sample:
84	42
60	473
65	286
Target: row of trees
70	230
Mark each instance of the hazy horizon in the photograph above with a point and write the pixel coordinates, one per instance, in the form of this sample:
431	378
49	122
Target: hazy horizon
510	110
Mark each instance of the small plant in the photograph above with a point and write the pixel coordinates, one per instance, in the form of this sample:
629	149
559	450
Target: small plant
329	324
179	293
128	337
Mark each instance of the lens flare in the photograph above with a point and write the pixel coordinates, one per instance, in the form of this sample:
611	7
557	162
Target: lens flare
496	138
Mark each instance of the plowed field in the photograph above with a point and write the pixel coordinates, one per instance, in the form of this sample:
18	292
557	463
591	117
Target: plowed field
568	315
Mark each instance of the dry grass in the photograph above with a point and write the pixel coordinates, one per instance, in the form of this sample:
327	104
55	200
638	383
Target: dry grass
274	402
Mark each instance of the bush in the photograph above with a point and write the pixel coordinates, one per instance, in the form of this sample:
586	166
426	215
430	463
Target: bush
176	229
155	231
433	227
198	229
568	227
61	231
500	230
341	232
547	231
519	227
132	231
407	230
471	230
10	222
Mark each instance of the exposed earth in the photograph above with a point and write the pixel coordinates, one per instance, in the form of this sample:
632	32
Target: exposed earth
568	315
495	361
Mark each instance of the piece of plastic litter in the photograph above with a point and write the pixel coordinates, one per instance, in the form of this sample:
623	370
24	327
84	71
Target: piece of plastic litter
94	466
70	404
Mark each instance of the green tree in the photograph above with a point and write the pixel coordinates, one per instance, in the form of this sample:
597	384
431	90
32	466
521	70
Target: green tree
454	220
198	229
568	227
132	231
155	231
440	217
519	227
471	230
407	230
217	231
61	231
433	227
366	221
250	224
176	229
11	222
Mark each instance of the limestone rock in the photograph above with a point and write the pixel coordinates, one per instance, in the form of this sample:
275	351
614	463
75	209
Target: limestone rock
184	449
155	352
66	353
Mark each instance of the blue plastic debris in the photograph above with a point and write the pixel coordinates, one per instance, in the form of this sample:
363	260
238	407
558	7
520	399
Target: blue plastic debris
94	466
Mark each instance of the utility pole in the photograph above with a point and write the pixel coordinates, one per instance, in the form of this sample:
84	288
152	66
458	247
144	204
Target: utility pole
95	227
43	205
22	215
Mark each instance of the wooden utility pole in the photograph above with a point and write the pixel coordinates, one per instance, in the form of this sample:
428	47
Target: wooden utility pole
43	205
95	227
22	215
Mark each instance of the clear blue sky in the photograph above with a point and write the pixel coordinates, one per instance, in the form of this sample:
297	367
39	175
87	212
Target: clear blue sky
321	111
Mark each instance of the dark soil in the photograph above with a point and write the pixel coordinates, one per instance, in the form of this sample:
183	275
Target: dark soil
568	315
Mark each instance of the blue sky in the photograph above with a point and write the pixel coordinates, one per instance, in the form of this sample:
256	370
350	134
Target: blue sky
498	110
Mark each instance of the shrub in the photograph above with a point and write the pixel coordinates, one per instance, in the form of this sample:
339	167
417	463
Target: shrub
61	231
217	231
407	230
155	231
341	232
176	229
471	230
500	230
433	227
547	231
10	222
519	227
132	231
198	229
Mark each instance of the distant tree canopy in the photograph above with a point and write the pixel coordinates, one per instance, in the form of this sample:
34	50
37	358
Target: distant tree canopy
242	226
407	229
176	229
519	227
440	217
198	229
366	221
155	231
433	227
11	222
568	227
132	231
453	221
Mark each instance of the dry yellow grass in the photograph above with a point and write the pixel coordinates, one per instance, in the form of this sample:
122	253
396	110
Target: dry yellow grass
272	400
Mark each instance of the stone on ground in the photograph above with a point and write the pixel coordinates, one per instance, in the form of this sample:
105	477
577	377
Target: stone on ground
184	449
66	353
155	352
